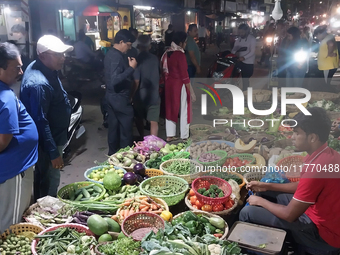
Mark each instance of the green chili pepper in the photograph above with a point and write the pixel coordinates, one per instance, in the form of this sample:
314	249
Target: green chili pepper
212	229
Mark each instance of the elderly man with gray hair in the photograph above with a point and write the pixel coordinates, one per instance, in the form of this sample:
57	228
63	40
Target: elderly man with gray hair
145	96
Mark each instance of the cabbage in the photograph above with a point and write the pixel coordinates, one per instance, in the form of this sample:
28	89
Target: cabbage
112	181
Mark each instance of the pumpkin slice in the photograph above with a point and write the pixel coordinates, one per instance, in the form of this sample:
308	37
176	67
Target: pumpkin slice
242	147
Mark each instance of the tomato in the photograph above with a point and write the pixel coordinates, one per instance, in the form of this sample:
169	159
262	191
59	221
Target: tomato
204	184
218	208
192	193
193	200
195	206
229	203
206	208
199	204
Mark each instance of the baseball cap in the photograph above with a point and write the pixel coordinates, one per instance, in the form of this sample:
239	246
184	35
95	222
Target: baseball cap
52	43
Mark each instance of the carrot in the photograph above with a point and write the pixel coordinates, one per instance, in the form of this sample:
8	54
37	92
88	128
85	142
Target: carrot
142	206
154	207
157	212
145	203
145	209
115	218
125	204
132	211
121	213
128	199
126	212
137	209
145	199
218	235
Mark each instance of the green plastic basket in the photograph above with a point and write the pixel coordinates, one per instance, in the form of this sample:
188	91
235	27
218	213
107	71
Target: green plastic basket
64	191
243	156
186	155
222	154
166	181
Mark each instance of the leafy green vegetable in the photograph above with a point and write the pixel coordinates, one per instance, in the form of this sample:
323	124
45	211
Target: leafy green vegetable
123	246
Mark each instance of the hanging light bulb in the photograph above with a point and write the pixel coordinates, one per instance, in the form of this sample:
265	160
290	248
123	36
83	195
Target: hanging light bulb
277	12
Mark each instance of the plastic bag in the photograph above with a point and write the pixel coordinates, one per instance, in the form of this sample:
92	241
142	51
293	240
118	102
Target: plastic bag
275	176
151	143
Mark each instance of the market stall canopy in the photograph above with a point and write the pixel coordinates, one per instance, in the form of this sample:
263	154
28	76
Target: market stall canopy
98	10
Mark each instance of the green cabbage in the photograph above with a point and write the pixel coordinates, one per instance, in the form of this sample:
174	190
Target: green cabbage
112	181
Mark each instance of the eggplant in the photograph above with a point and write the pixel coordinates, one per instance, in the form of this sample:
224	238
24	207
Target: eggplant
264	140
251	139
215	137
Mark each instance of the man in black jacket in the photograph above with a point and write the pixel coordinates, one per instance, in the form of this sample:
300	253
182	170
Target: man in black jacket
119	71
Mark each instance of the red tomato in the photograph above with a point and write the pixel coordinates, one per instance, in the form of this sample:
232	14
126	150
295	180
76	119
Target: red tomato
195	206
199	204
192	193
193	200
204	184
218	208
229	203
206	208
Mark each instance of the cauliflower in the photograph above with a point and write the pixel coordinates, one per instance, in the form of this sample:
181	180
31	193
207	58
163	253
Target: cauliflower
215	249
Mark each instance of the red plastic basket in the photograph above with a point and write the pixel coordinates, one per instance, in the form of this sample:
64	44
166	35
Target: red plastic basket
78	227
222	184
291	167
141	220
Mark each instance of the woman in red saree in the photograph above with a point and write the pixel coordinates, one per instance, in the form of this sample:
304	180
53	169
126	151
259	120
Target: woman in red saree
178	91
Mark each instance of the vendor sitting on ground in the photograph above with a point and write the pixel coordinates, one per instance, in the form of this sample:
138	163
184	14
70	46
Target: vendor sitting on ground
307	209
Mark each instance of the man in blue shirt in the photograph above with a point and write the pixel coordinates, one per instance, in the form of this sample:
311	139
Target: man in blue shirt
18	142
47	102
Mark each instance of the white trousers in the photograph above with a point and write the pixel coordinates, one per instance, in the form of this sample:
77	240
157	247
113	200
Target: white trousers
184	126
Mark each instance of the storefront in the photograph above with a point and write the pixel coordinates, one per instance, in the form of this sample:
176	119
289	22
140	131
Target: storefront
12	27
150	21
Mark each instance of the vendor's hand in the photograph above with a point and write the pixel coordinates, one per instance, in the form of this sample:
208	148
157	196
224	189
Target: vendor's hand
198	70
255	200
193	97
257	186
132	63
58	163
241	59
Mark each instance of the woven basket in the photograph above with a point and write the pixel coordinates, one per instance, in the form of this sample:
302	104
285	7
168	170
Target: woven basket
291	166
77	227
222	154
64	191
141	220
223	213
195	129
259	136
222	184
225	175
155	199
90	170
221	136
291	95
253	176
166	181
333	115
318	95
20	228
153	172
259	95
145	164
209	215
243	156
188	177
128	169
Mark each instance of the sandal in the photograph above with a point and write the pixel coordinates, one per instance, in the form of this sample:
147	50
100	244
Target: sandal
171	139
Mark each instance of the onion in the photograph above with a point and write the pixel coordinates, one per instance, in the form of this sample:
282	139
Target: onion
139	169
130	178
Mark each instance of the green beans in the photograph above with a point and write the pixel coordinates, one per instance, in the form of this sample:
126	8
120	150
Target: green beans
180	167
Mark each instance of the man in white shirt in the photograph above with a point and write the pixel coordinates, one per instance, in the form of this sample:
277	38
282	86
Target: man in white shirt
247	57
202	34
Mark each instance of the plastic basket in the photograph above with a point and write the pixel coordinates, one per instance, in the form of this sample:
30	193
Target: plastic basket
77	227
20	228
225	175
90	170
209	215
222	154
64	191
186	155
141	220
166	181
222	213
222	184
153	172
195	129
188	177
242	156
291	166
128	169
146	162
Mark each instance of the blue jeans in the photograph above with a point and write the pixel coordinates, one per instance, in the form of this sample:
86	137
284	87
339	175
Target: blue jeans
295	76
192	71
